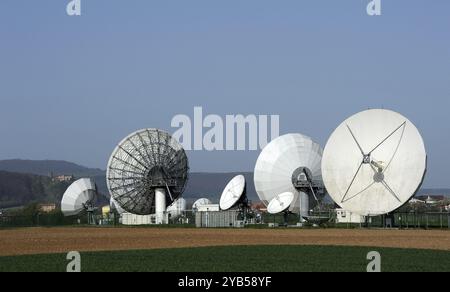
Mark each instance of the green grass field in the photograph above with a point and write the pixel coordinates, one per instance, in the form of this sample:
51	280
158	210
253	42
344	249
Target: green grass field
238	259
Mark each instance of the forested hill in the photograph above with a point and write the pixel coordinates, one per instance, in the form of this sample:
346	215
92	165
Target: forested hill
48	167
17	189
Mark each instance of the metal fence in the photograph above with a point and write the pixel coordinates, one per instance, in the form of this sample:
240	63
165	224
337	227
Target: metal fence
414	220
430	220
39	220
217	219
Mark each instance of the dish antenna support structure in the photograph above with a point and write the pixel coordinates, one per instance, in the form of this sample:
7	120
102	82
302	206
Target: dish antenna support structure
147	170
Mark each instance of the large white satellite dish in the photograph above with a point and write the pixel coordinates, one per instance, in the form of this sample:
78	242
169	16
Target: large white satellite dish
290	163
233	193
80	196
281	203
374	162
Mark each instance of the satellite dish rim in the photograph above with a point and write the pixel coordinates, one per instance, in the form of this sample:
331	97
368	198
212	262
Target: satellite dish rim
418	145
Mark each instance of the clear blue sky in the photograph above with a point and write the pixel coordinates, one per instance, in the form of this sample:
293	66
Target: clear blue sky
71	88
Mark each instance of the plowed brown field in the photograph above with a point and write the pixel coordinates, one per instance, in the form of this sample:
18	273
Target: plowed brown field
61	240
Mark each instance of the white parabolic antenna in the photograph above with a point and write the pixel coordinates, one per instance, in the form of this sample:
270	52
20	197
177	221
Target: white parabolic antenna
374	162
281	203
233	193
201	202
80	196
290	163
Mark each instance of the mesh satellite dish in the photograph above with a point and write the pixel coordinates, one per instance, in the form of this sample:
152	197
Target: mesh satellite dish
115	206
234	194
281	203
79	197
290	163
201	202
147	170
374	162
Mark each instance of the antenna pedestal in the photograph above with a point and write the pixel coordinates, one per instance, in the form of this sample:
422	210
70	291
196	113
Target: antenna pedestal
304	206
302	180
160	205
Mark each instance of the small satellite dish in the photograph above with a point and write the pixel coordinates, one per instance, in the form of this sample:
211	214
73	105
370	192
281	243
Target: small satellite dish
147	171
281	203
374	162
290	163
234	193
201	202
80	196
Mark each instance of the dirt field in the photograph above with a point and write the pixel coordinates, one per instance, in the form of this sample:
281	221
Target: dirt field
61	240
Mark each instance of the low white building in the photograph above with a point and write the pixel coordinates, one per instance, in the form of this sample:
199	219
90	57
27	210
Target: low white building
133	219
343	216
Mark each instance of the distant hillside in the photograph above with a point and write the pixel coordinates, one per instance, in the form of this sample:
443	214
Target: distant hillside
434	192
55	167
17	189
211	185
200	185
46	167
